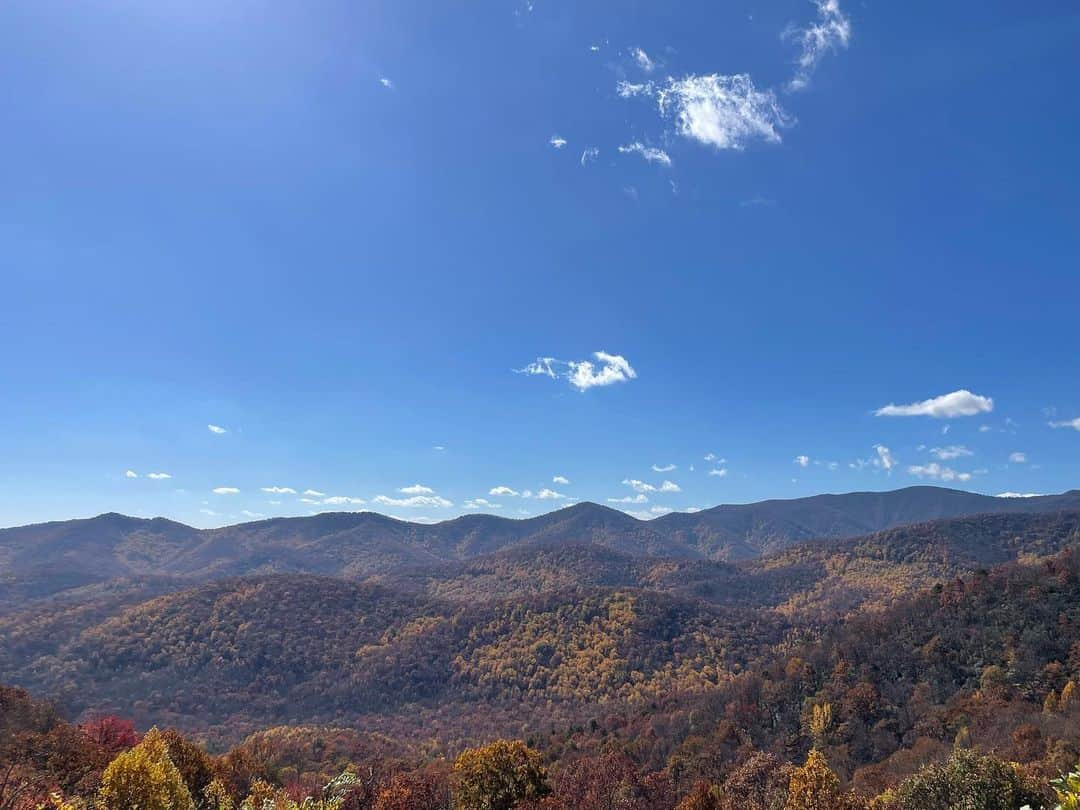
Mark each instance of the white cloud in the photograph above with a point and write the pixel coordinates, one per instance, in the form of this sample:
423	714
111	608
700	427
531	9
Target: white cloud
208	512
525	493
1069	423
1018	458
500	491
158	476
941	473
549	495
650	153
560	479
638	486
719	472
439	448
249	514
589	155
414	501
831	32
714	457
663	468
387	83
725	112
216	429
342	500
630	499
660	510
226	491
481	503
131	474
985	428
1019	495
947	406
885	459
314	493
802	461
583	374
643	60
630	89
280	490
557	142
670	486
950	452
416	489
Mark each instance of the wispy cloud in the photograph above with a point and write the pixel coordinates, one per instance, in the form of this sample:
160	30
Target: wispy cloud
280	490
1069	423
502	491
830	32
314	493
130	474
250	514
414	501
639	498
343	500
946	406
718	472
643	486
643	60
1019	495
725	112
557	142
216	429
158	476
416	489
583	374
885	459
589	155
802	461
1018	458
950	452
663	468
226	491
938	471
650	153
560	479
481	503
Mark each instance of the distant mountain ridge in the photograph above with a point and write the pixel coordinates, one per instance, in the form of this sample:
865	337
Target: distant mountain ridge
44	559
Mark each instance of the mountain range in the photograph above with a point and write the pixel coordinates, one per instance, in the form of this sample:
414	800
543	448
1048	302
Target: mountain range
47	559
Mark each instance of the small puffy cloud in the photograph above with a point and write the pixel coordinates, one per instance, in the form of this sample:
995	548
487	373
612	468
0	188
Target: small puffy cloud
670	486
1069	423
502	491
802	461
414	501
714	458
560	479
1019	495
643	60
416	489
639	486
950	452
985	428
1018	458
481	503
280	490
718	472
314	493
387	83
938	471
947	406
342	500
630	89
550	495
639	498
650	153
589	155
557	142
725	112
830	32
158	476
607	369
226	491
663	468
885	459
131	474
216	429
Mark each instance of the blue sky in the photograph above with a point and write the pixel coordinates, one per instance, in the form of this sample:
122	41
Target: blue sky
221	214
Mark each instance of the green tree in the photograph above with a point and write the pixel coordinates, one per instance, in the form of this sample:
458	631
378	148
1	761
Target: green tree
967	781
497	776
144	778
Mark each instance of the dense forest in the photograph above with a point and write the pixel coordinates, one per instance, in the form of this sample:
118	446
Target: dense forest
931	665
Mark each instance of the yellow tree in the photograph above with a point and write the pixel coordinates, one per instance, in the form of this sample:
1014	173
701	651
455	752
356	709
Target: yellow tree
815	787
144	778
498	776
